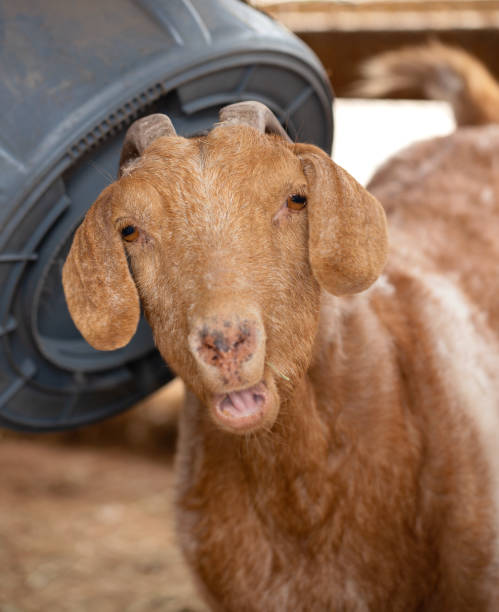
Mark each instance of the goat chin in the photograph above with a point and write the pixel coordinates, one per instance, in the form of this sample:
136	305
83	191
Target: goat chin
246	410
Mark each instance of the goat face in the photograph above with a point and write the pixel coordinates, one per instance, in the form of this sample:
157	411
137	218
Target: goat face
228	244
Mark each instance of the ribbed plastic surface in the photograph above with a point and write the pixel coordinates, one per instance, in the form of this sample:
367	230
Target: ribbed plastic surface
73	75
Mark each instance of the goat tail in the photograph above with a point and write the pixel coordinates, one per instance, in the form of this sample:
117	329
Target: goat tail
439	72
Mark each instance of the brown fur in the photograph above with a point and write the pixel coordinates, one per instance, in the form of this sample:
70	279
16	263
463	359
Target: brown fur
438	71
373	483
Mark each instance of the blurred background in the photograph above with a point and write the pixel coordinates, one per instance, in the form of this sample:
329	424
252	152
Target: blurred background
343	33
86	516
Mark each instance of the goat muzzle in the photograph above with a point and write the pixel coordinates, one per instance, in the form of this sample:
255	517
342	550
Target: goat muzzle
229	350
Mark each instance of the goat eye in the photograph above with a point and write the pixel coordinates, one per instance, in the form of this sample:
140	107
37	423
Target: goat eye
130	233
296	202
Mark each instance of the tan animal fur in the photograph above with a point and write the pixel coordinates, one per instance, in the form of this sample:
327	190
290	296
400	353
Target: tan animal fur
438	71
371	481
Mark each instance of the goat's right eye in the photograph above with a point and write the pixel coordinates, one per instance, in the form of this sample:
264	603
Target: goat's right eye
130	233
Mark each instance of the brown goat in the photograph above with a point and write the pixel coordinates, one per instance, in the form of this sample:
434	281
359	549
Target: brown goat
335	453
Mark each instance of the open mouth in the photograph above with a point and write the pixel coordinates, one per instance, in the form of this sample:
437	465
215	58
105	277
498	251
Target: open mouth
243	409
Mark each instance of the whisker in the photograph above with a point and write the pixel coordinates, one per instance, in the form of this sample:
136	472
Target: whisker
104	173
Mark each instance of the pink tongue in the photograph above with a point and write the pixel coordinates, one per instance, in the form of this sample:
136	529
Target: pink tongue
243	403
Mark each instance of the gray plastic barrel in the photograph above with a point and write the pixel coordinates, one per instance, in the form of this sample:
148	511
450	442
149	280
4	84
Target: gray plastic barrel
73	75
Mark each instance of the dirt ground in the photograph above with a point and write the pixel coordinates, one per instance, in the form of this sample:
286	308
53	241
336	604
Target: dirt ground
86	517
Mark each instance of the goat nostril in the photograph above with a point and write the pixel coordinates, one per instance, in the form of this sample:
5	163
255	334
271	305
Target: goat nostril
222	344
240	341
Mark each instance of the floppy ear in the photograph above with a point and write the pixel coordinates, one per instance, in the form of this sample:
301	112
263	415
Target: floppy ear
101	295
348	240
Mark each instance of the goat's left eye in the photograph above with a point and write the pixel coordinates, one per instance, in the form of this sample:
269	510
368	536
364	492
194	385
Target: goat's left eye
296	202
130	233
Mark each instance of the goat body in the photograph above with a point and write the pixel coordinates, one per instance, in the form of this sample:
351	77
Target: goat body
336	452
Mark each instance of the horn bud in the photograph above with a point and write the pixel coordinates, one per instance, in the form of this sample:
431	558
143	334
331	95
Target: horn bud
254	114
141	134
